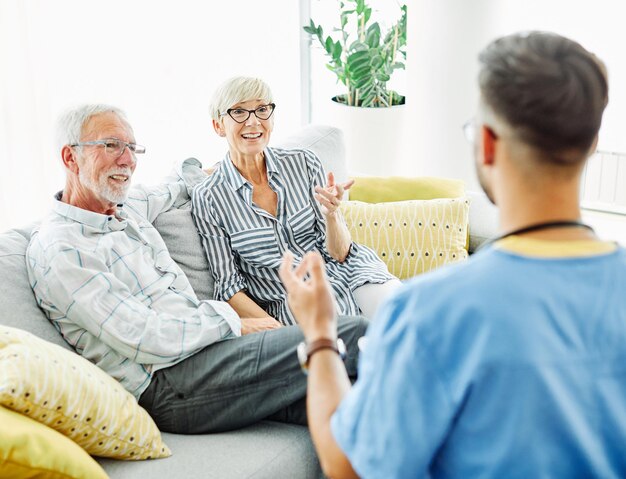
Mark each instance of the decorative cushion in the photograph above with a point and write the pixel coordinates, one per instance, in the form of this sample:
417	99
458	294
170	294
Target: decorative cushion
326	142
179	233
68	393
18	307
373	189
411	237
30	449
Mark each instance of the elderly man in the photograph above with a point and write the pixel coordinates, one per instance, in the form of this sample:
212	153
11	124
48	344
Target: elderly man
511	364
104	277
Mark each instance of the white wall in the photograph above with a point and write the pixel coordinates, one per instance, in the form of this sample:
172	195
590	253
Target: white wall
158	60
444	40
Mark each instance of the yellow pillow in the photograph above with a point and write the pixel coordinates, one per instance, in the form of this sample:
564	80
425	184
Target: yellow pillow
411	237
374	189
68	393
29	449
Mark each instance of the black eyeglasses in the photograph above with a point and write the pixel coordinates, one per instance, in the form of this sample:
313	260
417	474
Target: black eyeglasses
114	147
240	115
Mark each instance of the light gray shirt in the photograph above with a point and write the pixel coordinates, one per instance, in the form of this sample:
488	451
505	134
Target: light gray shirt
111	288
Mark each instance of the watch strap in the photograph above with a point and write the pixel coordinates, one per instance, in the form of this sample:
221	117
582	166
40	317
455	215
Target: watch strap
319	345
305	350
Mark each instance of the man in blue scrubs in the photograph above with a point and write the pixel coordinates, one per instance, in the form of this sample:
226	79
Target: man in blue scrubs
512	364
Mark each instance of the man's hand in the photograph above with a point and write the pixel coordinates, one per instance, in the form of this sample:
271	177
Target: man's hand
256	325
331	195
310	298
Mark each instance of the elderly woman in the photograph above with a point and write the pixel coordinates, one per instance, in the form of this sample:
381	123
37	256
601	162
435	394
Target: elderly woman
261	201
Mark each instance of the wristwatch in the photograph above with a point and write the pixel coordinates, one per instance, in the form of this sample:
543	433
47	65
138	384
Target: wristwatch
306	350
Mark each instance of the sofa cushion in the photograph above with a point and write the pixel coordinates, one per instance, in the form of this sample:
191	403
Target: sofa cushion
266	450
372	189
411	237
68	393
18	307
30	449
179	233
326	142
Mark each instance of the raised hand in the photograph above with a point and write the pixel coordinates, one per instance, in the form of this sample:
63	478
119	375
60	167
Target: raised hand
309	295
331	195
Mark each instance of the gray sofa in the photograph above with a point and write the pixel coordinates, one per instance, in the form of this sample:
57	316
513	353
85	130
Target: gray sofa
265	450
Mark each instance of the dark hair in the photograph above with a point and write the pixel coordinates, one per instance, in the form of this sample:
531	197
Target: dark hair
548	88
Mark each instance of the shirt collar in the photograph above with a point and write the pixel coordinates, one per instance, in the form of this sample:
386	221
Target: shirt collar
235	179
100	222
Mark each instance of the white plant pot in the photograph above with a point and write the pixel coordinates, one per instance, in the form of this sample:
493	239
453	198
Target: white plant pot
372	137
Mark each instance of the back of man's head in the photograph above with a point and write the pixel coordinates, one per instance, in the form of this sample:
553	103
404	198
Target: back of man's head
548	89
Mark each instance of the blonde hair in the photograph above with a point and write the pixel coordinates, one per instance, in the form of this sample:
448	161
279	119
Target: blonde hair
236	90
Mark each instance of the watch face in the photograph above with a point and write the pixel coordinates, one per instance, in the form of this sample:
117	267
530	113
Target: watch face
302	359
341	348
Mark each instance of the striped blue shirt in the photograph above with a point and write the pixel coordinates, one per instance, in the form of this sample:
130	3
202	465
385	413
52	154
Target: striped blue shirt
109	285
244	243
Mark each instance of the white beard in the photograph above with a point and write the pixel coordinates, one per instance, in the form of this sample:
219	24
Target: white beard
102	187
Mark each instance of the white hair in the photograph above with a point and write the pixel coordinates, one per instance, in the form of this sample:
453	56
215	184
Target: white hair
237	90
70	124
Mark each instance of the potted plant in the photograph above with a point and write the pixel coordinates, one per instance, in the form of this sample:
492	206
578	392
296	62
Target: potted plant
364	58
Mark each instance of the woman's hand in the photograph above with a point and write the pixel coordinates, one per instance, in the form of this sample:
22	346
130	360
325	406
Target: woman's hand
256	325
309	295
331	195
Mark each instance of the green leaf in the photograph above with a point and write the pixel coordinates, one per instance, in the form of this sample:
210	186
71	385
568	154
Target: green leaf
329	45
344	20
309	30
362	82
357	46
360	6
376	61
359	56
372	37
337	51
358	68
360	71
382	77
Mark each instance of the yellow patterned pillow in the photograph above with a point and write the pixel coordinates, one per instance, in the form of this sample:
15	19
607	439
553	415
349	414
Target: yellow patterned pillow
68	393
29	449
413	236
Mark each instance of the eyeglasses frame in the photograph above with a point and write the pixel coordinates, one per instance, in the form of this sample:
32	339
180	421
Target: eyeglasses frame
134	148
250	112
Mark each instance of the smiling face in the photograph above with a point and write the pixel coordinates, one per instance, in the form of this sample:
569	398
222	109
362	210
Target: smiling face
247	139
102	179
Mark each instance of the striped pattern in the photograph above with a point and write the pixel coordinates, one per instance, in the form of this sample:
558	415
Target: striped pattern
414	236
110	286
66	392
244	244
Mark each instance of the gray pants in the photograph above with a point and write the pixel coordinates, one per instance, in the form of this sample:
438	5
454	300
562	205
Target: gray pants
239	381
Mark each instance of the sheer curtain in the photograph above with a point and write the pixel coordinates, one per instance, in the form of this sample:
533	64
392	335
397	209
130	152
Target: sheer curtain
159	61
